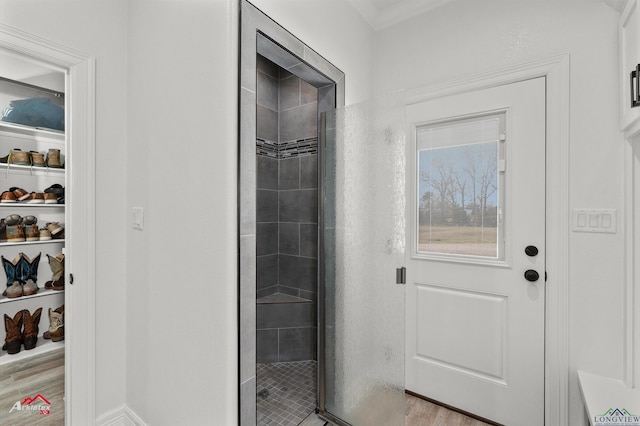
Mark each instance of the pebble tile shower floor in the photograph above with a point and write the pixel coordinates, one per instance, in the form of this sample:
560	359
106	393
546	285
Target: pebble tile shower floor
286	392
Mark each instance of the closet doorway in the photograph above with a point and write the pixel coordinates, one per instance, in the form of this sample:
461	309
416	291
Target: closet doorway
37	63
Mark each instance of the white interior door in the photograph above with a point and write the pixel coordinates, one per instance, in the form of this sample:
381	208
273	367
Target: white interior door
475	293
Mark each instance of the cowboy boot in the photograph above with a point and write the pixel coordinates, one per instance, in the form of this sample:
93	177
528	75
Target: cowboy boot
14	287
31	323
56	325
30	268
57	267
13	327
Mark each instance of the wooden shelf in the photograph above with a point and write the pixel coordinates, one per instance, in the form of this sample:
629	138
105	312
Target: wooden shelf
21	204
22	243
41	293
31	131
42	346
31	170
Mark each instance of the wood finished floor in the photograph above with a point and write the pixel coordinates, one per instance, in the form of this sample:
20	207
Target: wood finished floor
42	374
419	412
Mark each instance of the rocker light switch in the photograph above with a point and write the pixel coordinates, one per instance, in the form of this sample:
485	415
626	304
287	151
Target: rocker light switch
598	221
138	218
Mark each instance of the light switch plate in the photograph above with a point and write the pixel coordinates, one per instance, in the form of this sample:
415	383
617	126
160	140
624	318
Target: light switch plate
595	220
138	218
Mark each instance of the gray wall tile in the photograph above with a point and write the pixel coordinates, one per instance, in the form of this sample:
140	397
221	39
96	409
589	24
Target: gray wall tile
308	93
266	271
266	205
296	344
298	206
289	92
299	123
266	238
267	177
288	173
266	123
289	238
308	240
267	91
266	66
309	171
247	307
298	272
279	315
248	413
267	345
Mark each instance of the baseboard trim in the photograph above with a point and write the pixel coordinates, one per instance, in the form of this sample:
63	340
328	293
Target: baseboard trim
121	416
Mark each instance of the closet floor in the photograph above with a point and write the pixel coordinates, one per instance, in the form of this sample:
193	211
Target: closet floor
27	378
286	392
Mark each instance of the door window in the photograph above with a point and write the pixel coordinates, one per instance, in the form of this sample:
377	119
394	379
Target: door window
460	187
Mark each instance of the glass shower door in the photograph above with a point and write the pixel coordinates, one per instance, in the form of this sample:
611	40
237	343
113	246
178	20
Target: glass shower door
361	314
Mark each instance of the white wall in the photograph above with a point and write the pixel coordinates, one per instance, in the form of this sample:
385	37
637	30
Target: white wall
468	37
182	268
97	28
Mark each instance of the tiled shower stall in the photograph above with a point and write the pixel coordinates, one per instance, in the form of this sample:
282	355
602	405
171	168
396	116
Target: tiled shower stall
287	215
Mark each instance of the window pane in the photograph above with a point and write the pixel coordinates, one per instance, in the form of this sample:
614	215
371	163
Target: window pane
458	188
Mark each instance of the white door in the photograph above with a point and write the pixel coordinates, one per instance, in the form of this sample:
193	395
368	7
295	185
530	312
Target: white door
476	252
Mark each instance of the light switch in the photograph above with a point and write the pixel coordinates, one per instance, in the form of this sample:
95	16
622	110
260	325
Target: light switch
138	218
594	220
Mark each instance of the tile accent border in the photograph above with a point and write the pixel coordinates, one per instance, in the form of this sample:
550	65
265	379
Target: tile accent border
290	149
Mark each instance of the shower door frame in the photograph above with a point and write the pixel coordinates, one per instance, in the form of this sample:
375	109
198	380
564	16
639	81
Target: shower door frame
281	47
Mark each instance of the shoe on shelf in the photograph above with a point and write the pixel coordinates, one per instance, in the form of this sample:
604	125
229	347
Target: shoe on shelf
37	159
15	233
13	328
3	231
20	193
12	273
14	290
50	198
58	190
36	198
27	270
31	324
32	233
13	219
30	288
54	228
56	263
5	159
53	158
8	197
56	325
29	220
45	235
19	157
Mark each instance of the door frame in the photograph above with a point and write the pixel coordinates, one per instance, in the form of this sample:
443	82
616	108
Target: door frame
79	70
556	71
283	45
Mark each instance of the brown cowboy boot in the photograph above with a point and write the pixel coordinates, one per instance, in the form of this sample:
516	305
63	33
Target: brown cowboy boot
31	323
13	326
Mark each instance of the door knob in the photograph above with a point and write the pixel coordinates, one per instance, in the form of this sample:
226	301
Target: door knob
531	275
531	251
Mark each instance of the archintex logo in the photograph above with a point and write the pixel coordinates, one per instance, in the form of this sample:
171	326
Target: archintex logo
37	403
617	416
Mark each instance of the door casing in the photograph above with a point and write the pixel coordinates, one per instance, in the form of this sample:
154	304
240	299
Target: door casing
556	71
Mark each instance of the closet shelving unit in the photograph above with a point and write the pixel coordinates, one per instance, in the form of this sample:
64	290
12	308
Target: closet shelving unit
35	179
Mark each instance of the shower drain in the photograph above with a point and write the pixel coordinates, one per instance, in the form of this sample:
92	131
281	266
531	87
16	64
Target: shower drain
263	393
